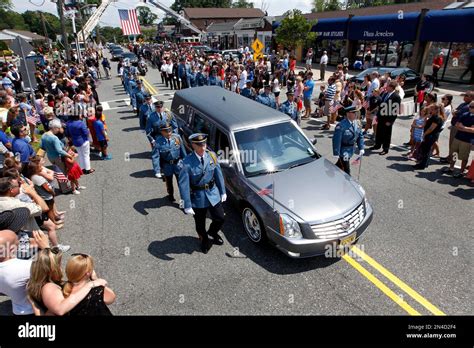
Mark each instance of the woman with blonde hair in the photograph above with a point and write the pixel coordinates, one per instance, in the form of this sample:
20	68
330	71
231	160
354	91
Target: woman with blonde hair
80	273
45	285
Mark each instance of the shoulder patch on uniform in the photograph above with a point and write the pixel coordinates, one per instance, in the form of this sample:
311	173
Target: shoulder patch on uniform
213	156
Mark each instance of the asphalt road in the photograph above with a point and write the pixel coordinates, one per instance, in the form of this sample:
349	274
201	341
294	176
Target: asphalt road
418	243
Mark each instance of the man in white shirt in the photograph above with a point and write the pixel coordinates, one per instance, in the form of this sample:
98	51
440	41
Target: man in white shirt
14	272
374	85
242	78
323	64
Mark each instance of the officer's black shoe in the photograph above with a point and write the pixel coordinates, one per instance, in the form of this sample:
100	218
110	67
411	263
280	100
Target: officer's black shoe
205	245
217	239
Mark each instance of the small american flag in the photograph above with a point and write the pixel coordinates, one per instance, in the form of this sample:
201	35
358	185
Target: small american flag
356	161
59	175
129	22
266	191
333	109
365	104
32	119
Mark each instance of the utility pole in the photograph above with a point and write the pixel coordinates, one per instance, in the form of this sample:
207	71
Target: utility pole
45	31
63	29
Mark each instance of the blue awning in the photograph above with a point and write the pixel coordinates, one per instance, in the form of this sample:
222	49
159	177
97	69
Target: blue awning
331	28
448	26
390	27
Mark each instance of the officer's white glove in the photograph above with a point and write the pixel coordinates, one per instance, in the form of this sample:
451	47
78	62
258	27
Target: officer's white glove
159	175
361	152
189	211
336	156
223	198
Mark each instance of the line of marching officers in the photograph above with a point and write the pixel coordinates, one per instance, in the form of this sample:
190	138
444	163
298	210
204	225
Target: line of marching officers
199	176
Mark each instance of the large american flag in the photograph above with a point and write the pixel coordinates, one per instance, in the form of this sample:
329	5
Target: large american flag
129	22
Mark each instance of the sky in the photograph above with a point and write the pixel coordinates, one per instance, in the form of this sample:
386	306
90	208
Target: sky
110	17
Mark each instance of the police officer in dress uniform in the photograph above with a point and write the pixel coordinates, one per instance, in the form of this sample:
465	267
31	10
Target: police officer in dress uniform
289	107
167	152
145	111
158	118
138	96
346	135
267	98
248	90
201	185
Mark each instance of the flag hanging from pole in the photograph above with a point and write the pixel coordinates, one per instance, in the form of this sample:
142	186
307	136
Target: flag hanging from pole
129	22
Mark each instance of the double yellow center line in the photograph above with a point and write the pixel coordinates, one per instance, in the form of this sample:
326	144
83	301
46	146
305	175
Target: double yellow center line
395	280
149	86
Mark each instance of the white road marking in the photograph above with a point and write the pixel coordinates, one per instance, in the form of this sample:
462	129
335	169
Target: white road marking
105	105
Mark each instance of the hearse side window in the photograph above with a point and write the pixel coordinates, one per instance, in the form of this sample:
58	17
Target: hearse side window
222	141
201	125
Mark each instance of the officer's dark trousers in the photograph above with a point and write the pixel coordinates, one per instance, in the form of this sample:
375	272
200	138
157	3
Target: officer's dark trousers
384	135
217	217
177	83
169	185
344	165
163	79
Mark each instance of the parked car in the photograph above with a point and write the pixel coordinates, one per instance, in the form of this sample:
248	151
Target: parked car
287	193
234	54
411	77
206	49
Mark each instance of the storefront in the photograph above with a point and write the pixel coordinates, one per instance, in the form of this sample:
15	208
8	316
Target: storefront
451	33
383	40
331	37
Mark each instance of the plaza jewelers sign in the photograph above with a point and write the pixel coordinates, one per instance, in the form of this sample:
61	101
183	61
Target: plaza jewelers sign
378	34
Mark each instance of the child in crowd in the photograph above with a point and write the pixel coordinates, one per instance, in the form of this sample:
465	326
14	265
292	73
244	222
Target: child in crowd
370	115
102	137
417	134
74	172
319	102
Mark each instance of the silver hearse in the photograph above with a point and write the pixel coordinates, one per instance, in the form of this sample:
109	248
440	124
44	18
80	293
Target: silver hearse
287	193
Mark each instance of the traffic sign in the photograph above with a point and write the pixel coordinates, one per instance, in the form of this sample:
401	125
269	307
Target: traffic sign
257	46
257	56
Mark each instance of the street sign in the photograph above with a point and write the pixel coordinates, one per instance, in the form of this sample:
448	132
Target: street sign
257	46
21	47
257	56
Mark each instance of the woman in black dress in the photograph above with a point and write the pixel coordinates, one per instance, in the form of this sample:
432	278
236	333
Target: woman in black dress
80	273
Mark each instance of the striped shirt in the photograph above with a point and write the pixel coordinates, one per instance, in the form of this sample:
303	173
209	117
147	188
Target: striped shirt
330	92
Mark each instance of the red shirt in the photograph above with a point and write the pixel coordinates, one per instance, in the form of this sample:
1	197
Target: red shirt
438	61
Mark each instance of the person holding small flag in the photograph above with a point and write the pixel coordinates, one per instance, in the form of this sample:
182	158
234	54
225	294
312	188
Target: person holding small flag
347	135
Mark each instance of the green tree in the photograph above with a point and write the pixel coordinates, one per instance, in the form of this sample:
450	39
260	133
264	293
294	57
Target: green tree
145	16
5	4
112	34
12	20
242	4
326	5
178	5
295	30
33	20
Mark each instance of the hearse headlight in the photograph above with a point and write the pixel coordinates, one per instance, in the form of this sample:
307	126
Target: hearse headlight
289	227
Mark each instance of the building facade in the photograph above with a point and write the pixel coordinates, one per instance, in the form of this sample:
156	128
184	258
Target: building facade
400	35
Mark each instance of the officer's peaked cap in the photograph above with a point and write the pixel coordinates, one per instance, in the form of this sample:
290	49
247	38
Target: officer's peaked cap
198	138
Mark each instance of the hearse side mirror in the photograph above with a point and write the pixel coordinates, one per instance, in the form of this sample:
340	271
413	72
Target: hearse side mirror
225	163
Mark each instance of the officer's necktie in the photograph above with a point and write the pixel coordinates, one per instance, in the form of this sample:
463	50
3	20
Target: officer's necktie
169	143
202	161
